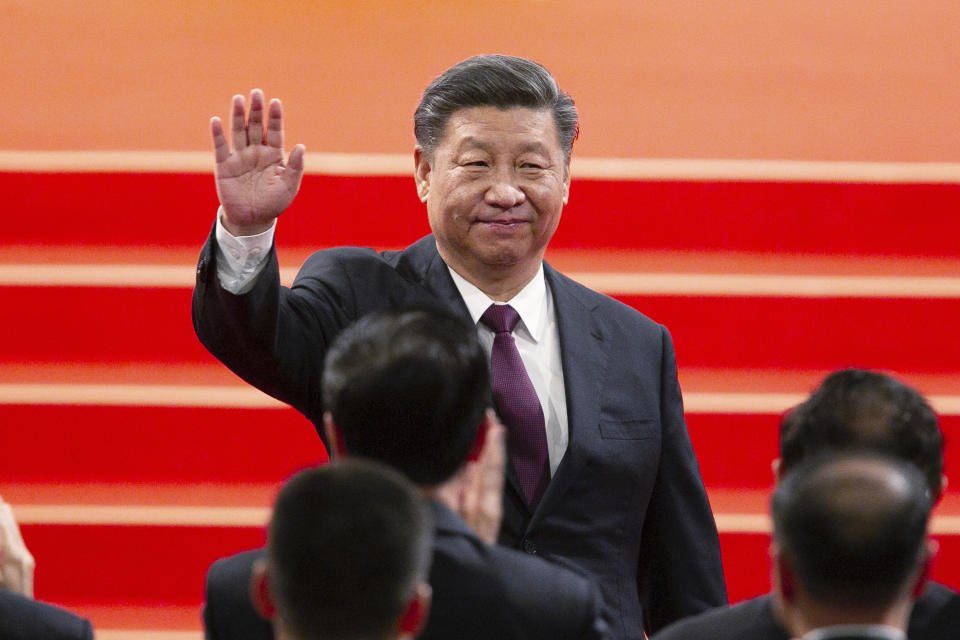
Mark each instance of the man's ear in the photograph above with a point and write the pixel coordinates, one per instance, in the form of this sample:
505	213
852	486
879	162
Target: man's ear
336	449
781	574
566	183
775	467
943	488
786	580
260	594
421	172
418	610
926	566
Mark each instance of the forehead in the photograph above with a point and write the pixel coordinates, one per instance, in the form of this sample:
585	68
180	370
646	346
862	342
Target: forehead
492	127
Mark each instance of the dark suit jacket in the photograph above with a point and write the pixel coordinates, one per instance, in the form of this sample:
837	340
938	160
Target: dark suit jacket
25	619
626	505
935	616
480	592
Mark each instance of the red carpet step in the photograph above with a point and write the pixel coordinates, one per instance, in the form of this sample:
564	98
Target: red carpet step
821	218
153	324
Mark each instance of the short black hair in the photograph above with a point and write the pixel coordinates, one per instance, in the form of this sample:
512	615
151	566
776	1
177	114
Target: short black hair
347	545
409	389
854	408
852	527
493	81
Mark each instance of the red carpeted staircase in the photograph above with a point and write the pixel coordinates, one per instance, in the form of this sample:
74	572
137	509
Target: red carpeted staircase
133	459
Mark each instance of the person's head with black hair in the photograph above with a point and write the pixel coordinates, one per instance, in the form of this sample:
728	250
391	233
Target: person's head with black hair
409	389
850	533
853	409
348	555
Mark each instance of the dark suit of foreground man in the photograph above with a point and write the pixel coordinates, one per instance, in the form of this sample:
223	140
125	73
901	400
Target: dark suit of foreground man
23	618
852	409
410	390
625	502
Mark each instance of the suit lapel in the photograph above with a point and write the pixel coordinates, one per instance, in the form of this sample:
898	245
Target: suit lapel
583	353
422	261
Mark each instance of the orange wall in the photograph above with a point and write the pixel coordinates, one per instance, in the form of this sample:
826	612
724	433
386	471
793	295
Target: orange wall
818	79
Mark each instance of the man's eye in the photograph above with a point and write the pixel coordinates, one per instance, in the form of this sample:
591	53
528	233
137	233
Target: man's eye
475	163
531	165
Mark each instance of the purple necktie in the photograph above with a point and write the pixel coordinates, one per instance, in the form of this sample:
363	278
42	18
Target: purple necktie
518	404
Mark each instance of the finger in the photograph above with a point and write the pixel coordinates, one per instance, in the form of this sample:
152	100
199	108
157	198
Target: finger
470	495
294	172
238	125
493	458
220	149
255	121
494	454
26	586
275	125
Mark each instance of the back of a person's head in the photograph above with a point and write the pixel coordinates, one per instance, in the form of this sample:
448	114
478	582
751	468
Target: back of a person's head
409	389
348	544
852	528
854	409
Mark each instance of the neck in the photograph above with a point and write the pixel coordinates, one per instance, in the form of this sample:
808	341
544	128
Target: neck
804	615
499	282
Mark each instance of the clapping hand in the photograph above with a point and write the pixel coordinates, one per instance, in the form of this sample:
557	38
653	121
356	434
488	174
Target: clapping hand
481	500
253	182
16	563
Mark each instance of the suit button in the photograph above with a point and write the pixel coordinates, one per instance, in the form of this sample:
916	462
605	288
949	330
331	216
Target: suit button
529	547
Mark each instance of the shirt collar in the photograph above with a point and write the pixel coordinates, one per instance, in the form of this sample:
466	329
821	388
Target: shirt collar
880	632
530	303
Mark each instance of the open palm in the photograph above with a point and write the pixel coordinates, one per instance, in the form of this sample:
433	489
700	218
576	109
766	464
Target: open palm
253	182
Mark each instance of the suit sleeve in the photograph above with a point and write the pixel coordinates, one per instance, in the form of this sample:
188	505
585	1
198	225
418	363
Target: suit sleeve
273	337
680	573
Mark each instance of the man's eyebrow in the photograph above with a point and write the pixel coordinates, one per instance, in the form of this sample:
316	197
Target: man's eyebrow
472	142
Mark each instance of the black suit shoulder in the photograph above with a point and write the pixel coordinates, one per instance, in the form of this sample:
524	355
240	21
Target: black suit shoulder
748	620
25	619
228	613
936	614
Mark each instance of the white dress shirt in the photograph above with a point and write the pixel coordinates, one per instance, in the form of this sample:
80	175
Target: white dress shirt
538	342
241	259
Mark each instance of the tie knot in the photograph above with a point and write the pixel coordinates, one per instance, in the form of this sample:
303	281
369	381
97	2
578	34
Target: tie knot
500	318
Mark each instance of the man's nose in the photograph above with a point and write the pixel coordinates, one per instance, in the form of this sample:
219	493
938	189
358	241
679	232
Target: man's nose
504	193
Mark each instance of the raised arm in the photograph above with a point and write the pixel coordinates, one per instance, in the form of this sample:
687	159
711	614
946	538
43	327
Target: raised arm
254	184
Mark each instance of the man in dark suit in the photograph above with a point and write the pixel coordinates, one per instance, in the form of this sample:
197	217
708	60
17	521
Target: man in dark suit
21	617
602	473
410	389
347	557
851	409
850	547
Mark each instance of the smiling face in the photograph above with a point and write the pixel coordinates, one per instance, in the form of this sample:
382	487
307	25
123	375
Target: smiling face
494	188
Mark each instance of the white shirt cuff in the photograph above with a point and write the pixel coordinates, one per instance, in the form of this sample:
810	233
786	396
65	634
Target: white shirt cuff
240	259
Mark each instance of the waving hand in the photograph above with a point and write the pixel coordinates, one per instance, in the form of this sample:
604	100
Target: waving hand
253	182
